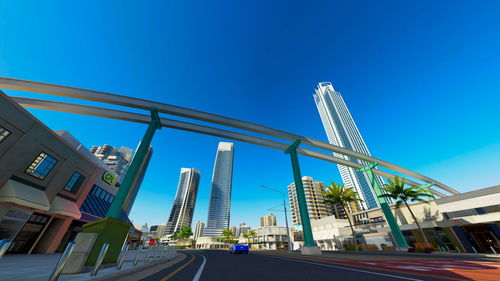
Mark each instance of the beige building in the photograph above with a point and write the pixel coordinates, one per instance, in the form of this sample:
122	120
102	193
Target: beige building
270	238
467	222
314	199
269	220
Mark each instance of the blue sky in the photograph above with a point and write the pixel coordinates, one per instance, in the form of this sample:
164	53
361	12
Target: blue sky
421	80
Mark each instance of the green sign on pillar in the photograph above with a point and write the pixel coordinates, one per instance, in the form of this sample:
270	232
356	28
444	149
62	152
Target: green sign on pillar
140	154
301	198
389	217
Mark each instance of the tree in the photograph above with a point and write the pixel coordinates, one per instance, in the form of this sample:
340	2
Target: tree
249	234
396	190
227	235
175	235
336	193
185	232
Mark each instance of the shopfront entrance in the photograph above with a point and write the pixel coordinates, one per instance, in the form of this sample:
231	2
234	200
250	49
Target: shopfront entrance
29	233
482	238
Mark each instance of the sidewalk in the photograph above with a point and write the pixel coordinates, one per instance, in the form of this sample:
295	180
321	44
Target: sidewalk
39	267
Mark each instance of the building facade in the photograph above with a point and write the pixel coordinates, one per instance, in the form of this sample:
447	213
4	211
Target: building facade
185	200
270	238
220	193
314	198
116	159
467	222
342	131
43	181
198	230
269	220
242	228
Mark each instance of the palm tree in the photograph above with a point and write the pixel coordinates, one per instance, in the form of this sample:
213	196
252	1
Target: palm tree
249	234
336	193
396	190
227	234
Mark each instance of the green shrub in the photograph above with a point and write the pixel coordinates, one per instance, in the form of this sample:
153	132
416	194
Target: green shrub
350	248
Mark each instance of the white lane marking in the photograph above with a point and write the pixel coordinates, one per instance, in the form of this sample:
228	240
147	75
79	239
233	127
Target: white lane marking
347	268
200	270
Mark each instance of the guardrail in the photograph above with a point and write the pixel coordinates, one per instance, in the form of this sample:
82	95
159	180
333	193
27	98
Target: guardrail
154	253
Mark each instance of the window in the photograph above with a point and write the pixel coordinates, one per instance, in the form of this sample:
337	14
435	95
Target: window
74	182
42	166
4	133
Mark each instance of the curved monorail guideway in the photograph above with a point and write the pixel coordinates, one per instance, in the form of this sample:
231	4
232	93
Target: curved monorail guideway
155	122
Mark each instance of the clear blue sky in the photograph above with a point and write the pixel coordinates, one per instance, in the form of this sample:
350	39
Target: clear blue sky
421	80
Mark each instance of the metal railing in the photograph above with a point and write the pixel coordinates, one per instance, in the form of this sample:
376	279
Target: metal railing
4	246
154	253
62	261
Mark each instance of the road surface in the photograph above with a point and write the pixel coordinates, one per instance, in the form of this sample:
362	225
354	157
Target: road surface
217	265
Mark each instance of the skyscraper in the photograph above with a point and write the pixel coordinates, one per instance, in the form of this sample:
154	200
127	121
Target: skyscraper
198	230
185	200
342	131
269	220
314	198
220	193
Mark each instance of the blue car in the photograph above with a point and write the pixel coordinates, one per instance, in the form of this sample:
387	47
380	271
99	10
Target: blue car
238	248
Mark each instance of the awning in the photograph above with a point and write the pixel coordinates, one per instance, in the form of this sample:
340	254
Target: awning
61	206
24	195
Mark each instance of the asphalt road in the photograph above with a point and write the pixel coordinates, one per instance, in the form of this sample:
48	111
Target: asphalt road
217	265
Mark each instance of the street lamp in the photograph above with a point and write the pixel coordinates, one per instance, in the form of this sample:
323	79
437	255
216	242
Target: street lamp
286	217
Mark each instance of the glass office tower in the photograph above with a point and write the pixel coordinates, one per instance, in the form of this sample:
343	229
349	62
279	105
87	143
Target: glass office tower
342	131
185	201
220	193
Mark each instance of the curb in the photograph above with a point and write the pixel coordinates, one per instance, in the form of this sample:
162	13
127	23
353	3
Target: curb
128	272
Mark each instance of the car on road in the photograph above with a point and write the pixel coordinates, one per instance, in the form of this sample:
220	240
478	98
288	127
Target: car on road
238	248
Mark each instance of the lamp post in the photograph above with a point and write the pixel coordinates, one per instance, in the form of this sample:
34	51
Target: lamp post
286	217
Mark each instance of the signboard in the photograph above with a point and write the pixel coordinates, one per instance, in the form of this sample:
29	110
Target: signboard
151	242
109	178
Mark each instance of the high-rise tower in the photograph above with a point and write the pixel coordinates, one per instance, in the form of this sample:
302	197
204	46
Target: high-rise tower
342	131
315	200
220	193
185	200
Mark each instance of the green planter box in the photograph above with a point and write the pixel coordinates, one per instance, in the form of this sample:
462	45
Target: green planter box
110	230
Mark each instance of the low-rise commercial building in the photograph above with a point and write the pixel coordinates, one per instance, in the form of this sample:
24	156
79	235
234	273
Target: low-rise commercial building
467	222
50	185
270	238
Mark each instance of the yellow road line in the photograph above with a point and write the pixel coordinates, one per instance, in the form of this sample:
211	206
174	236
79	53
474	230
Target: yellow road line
178	269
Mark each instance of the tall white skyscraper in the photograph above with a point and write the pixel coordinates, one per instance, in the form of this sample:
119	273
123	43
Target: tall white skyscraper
342	131
220	193
185	200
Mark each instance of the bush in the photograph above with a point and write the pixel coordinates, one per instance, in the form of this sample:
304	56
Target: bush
350	248
181	247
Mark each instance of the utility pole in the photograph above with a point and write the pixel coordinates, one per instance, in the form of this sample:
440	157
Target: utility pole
286	217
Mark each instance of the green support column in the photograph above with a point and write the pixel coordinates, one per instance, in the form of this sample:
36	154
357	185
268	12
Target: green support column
389	217
110	229
128	181
301	198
